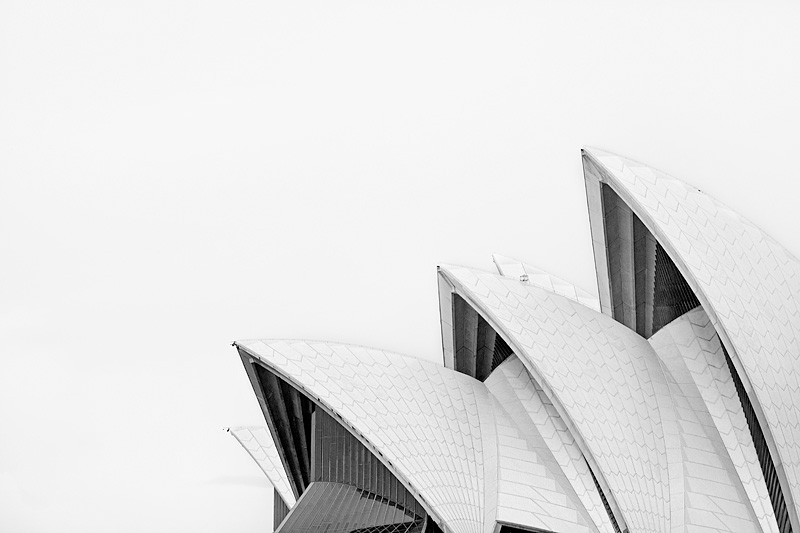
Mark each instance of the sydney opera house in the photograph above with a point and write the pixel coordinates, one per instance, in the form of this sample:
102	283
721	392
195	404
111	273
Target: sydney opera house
669	403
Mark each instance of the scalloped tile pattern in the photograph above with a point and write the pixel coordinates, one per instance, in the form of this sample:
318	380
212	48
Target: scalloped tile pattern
719	478
518	270
748	283
422	418
470	449
541	465
606	378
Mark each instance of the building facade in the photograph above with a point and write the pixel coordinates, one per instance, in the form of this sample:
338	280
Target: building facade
671	403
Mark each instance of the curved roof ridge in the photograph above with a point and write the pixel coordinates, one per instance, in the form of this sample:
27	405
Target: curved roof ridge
599	152
563	343
510	267
748	284
692	187
397	409
269	340
519	398
258	443
453	265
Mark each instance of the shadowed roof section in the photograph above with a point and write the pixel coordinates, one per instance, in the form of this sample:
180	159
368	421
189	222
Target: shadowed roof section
747	283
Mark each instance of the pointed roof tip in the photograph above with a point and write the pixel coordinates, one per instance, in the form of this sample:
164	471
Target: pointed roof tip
502	263
614	162
500	258
449	267
595	152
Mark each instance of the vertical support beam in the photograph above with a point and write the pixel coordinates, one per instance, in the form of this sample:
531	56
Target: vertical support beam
446	320
466	335
315	459
279	510
298	426
252	368
644	251
486	343
276	403
618	220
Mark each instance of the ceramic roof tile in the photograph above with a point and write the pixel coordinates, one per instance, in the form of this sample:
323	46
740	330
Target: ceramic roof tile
693	356
627	442
456	494
518	270
752	305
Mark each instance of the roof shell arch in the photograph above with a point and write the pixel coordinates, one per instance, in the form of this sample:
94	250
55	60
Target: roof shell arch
748	284
426	423
461	446
604	379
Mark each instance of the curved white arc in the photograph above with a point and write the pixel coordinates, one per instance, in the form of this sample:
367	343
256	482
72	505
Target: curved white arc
692	354
747	359
447	525
522	271
263	451
535	422
519	270
538	377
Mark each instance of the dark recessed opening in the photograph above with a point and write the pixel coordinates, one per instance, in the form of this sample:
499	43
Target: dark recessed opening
342	487
647	289
478	347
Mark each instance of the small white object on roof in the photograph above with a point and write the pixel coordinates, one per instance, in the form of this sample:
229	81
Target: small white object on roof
512	268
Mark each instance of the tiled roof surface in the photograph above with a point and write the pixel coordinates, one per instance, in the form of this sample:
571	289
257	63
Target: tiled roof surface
424	419
512	268
660	423
544	480
748	284
605	377
717	479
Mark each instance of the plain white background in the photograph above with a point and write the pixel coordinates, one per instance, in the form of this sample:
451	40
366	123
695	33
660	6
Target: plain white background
178	175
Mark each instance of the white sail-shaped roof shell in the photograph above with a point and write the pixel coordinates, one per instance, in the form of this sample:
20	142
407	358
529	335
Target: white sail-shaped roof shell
603	378
423	420
473	453
748	284
580	423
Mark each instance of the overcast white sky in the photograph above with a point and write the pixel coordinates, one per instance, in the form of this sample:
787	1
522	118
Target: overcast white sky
178	175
